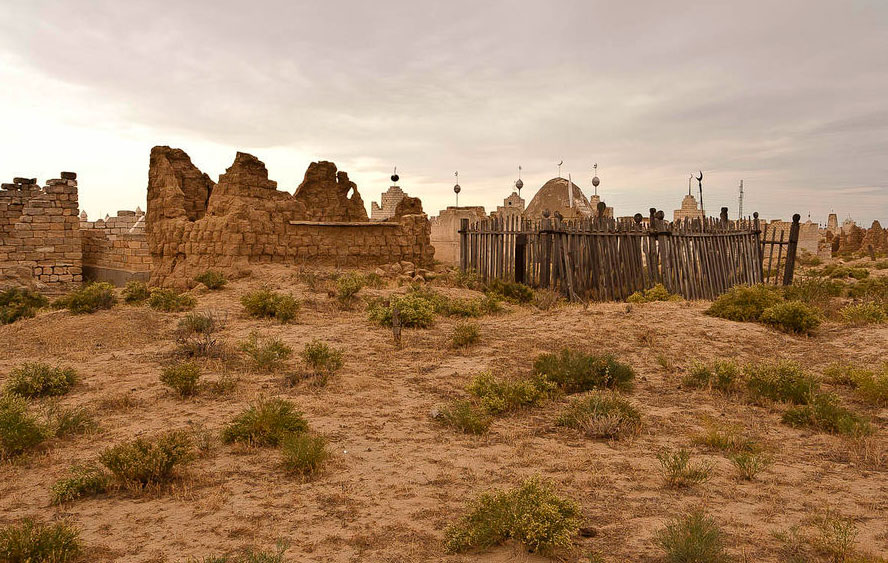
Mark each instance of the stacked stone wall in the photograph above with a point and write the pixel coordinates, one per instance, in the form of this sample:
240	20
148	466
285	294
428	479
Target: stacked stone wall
116	248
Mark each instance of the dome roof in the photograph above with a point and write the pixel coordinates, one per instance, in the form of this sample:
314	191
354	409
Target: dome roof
555	197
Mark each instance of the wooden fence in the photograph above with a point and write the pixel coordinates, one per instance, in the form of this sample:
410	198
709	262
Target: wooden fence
606	259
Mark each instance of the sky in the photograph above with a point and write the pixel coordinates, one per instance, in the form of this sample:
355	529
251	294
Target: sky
790	96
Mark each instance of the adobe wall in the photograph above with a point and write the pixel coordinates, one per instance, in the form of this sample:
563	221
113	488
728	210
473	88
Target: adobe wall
39	233
809	234
193	224
445	231
115	249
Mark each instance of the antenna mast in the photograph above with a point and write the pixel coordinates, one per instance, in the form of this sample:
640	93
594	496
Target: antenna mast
741	199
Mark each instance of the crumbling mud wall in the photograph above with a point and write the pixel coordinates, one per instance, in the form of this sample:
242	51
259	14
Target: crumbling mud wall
193	224
115	248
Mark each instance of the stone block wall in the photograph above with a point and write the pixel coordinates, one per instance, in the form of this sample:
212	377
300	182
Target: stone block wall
115	248
39	232
445	231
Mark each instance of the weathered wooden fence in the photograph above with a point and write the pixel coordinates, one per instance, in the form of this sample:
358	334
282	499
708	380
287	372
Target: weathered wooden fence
608	259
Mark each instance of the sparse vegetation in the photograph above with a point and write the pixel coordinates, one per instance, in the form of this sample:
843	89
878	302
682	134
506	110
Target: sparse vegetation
499	395
304	453
726	438
70	421
418	307
465	334
679	471
545	299
575	371
824	412
250	555
322	358
267	354
693	538
602	414
182	377
267	304
465	416
89	298
20	430
750	464
836	536
83	481
867	312
744	303
656	293
19	303
31	541
783	381
722	375
196	333
136	292
212	279
871	386
265	423
532	514
347	287
791	316
510	291
170	301
39	379
843	271
149	460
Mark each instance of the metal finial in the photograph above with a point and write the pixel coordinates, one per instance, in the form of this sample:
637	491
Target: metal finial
519	184
395	176
559	168
595	180
456	188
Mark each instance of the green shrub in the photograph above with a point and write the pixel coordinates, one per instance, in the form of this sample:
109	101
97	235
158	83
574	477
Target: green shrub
70	421
721	375
791	316
136	292
872	289
750	464
19	303
603	414
170	301
265	423
88	299
864	313
267	304
823	412
267	354
182	377
20	430
726	438
497	396
872	386
881	265
348	285
816	291
465	416
744	303
83	481
678	471
575	371
39	379
465	334
322	358
30	541
693	538
656	293
413	311
532	514
836	537
842	271
146	461
783	381
213	279
510	291
196	333
304	453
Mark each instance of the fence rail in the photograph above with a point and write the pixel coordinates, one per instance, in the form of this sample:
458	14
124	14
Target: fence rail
607	259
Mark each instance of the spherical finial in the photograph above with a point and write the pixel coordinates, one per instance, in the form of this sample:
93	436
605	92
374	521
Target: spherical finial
457	189
395	178
546	213
519	184
596	181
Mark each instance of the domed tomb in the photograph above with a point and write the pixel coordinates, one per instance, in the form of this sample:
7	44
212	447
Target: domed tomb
554	196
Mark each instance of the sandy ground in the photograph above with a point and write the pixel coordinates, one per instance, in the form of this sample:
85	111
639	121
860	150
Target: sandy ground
398	477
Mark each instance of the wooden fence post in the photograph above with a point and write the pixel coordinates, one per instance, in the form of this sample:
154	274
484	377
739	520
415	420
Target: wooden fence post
546	258
463	244
760	248
520	247
789	269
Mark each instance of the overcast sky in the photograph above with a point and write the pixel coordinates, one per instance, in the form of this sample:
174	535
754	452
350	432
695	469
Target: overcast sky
791	96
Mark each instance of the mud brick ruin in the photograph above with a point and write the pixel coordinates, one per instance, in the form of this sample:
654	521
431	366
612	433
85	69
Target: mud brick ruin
115	248
193	224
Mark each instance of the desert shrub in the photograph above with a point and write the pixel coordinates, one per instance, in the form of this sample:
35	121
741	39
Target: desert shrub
603	414
265	423
465	416
151	460
39	379
791	316
267	354
744	303
19	303
89	298
545	299
170	301
750	464
136	292
721	375
304	453
693	538
20	430
813	290
881	265
413	311
264	303
468	279
532	514
823	412
842	271
83	481
510	291
575	371
213	279
872	386
348	285
836	536
656	293
70	421
182	377
497	396
196	333
872	289
783	381
726	438
867	312
31	541
321	357
678	470
465	334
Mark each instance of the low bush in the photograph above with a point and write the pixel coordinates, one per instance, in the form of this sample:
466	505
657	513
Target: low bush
136	292
265	423
872	289
842	271
39	379
678	470
693	538
465	334
510	291
322	358
784	381
89	298
267	354
30	541
498	396
656	293
212	279
347	287
864	313
532	514
836	537
816	291
545	299
20	430
872	386
750	464
465	416
792	316
744	303
182	377
70	421
726	438
83	481
147	461
304	453
170	301
267	304
413	311
722	375
603	414
824	412
196	333
575	371
19	303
